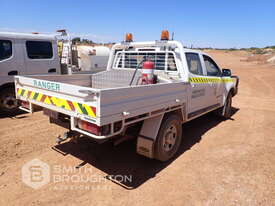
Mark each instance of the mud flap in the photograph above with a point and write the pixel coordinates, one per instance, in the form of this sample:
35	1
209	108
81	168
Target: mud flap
148	135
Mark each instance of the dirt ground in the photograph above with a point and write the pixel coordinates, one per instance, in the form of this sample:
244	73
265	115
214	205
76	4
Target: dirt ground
228	162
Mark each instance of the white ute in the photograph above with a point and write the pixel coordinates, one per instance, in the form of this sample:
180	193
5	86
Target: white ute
24	54
35	53
185	85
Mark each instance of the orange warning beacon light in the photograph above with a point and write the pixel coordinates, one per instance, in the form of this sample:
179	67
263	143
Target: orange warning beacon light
164	35
129	37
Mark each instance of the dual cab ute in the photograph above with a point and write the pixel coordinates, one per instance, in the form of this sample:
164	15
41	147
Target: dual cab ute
159	85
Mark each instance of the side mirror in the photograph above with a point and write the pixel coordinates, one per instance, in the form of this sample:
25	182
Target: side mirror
226	72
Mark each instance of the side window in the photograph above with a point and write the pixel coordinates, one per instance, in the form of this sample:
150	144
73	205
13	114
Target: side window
211	67
194	63
171	64
5	49
39	49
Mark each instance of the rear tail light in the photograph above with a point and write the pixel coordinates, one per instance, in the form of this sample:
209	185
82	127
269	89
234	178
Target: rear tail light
93	128
89	127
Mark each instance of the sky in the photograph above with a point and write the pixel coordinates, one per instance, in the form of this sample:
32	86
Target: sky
201	23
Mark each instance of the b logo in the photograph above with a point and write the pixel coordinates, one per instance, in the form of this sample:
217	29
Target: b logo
36	173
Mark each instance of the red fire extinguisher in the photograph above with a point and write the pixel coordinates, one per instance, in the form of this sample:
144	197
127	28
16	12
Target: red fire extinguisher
147	73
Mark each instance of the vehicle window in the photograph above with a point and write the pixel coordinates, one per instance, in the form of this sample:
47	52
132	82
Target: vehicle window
171	64
39	49
194	63
211	67
131	60
5	49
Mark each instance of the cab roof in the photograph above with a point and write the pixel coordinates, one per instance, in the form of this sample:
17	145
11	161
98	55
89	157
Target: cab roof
19	35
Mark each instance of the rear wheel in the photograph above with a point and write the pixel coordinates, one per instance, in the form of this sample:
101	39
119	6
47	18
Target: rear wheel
8	102
169	138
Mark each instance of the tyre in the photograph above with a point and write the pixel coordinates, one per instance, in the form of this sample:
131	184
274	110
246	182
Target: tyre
8	102
226	110
169	138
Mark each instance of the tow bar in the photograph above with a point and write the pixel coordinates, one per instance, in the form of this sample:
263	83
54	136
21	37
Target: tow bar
67	135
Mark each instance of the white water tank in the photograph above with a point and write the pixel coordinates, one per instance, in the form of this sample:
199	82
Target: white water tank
92	57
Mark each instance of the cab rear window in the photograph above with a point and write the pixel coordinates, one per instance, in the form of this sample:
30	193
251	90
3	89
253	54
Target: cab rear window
5	49
132	60
39	49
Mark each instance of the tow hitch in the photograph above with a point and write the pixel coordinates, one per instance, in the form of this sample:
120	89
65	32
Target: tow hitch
67	135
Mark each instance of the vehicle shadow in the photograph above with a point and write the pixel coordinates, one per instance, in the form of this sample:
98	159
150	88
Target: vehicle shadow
122	160
18	115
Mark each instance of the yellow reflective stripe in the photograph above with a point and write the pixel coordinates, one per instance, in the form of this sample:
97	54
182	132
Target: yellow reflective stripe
90	111
47	100
66	105
55	101
209	80
19	91
25	93
39	97
228	80
62	103
32	95
77	107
